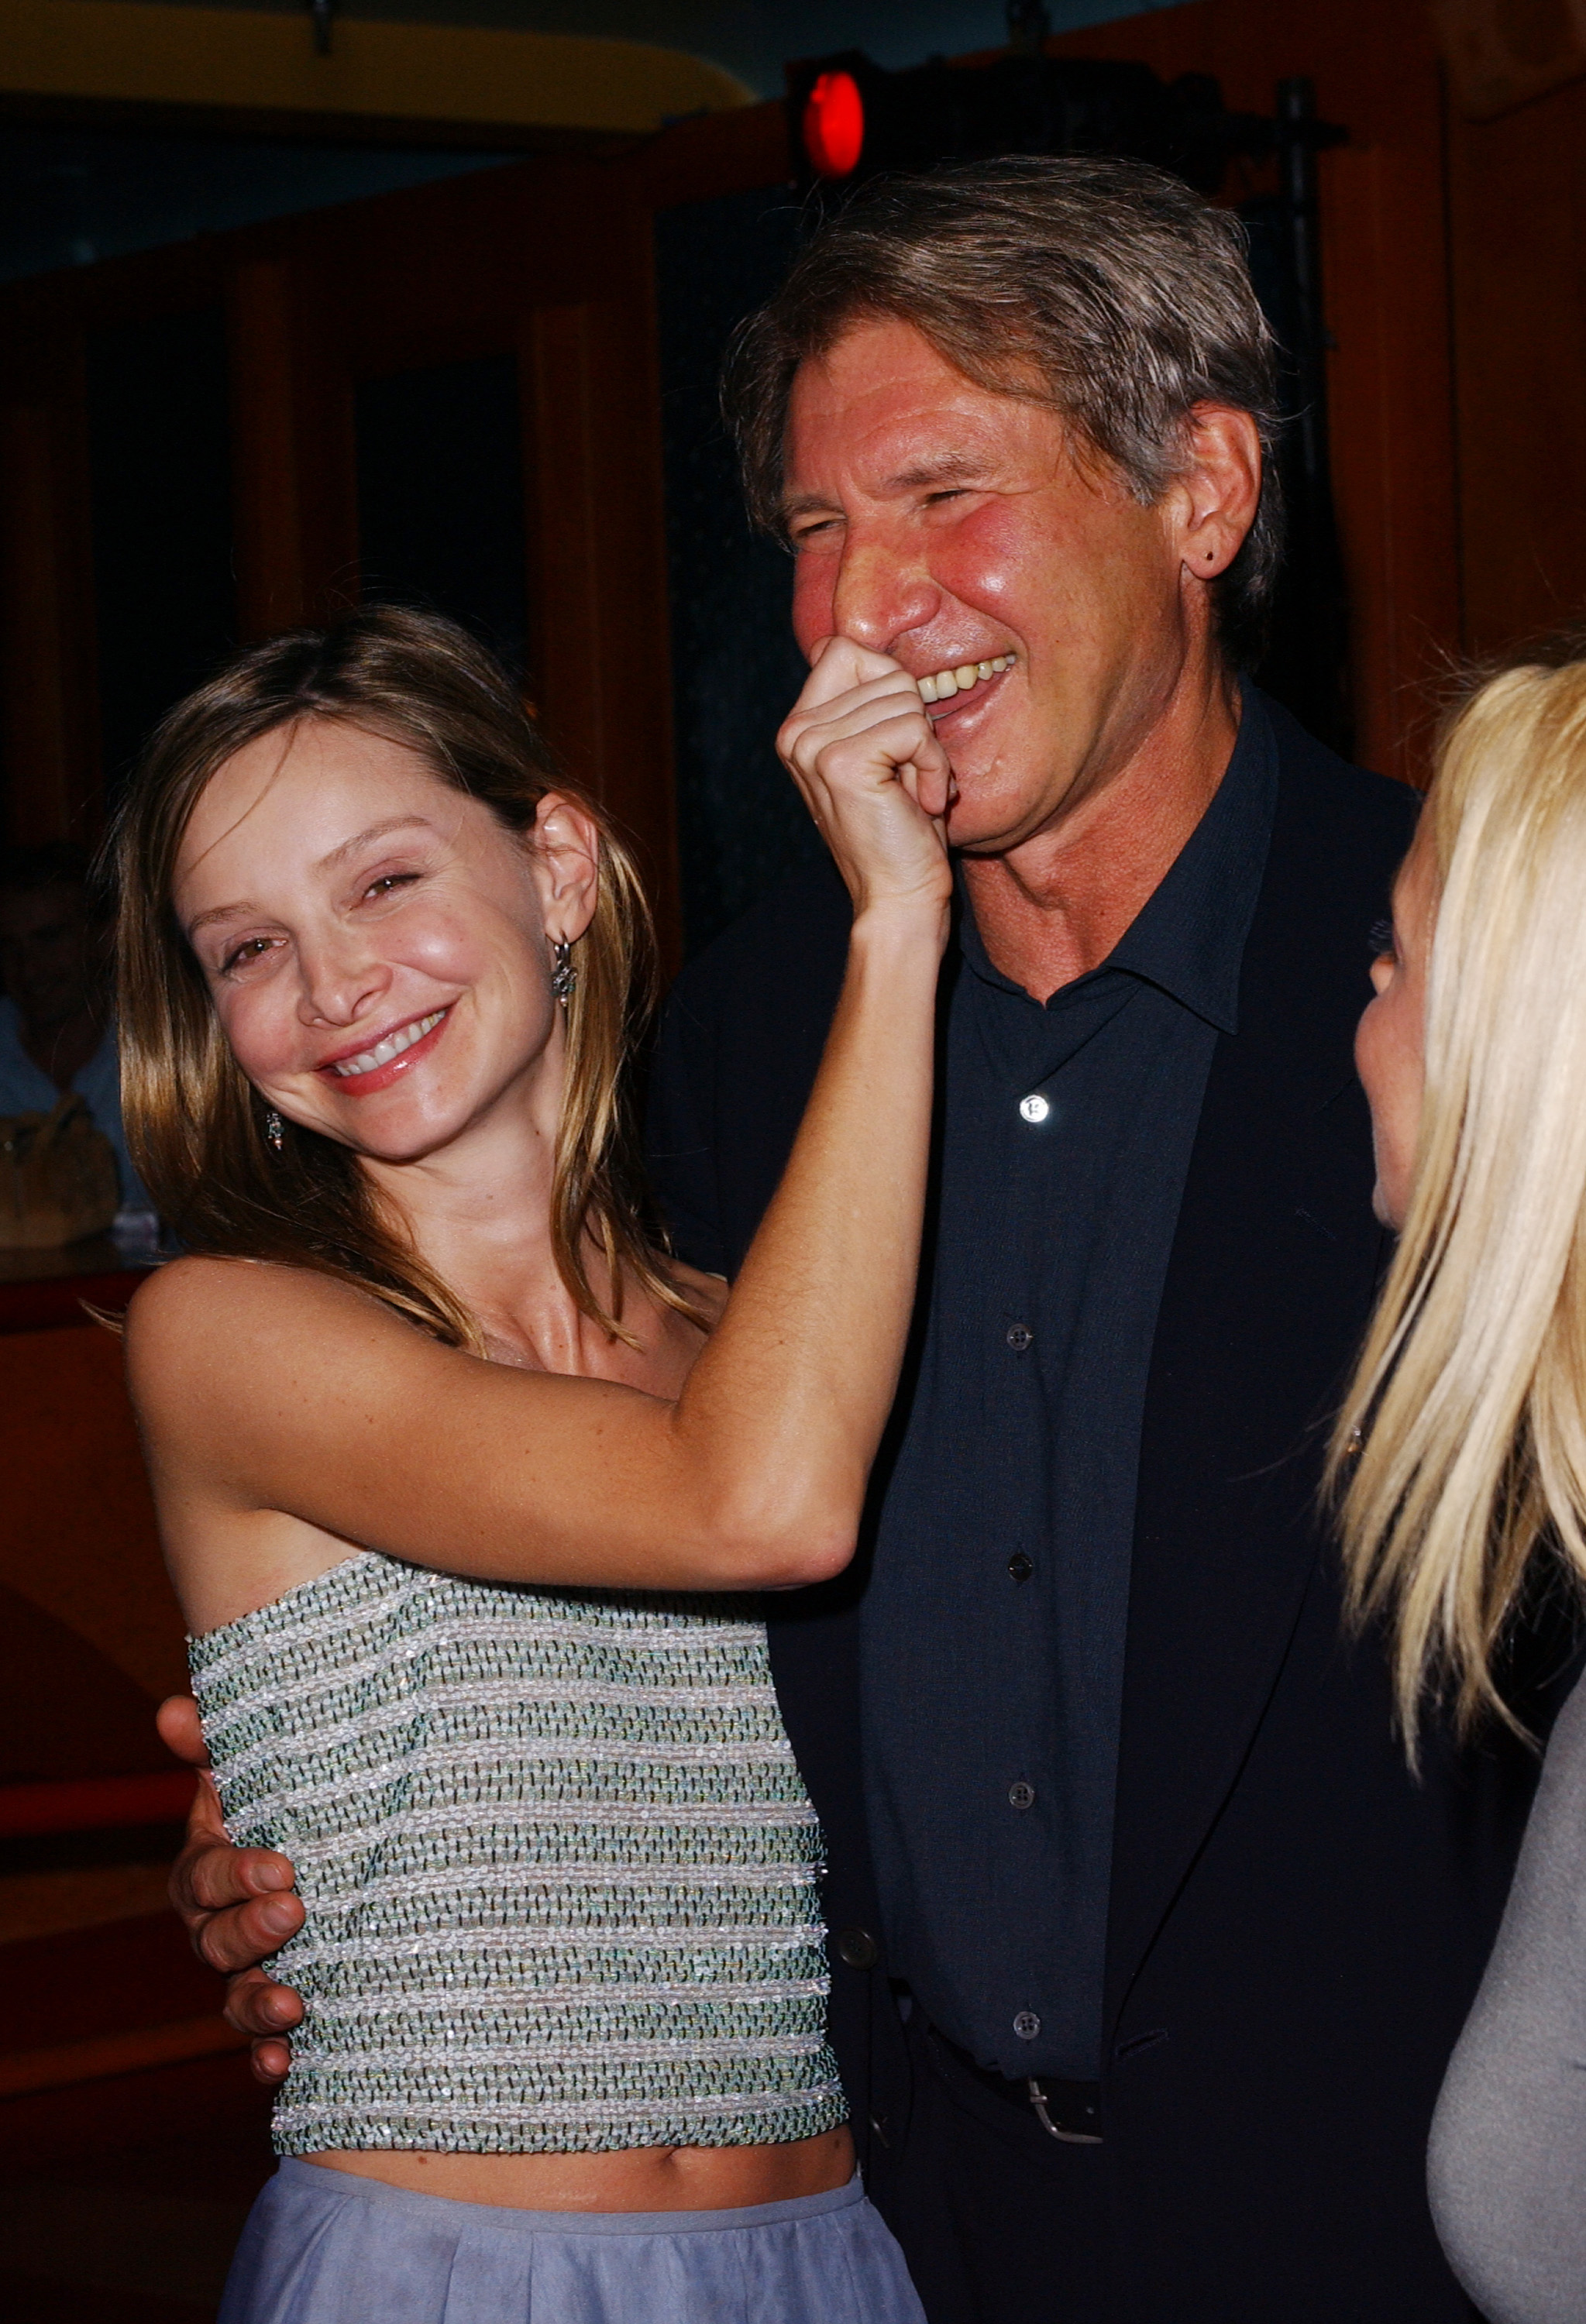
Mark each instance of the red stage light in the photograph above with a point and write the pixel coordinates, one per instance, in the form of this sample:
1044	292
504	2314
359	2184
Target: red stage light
834	124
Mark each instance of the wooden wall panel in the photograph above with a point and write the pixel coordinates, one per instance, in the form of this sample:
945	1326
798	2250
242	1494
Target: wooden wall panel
78	1537
49	710
1517	207
264	334
1386	284
551	259
601	632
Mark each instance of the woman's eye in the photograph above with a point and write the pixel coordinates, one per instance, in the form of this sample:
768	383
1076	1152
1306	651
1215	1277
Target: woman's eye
250	948
1381	939
389	882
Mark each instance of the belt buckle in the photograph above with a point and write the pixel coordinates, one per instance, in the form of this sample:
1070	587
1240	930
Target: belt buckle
1082	2101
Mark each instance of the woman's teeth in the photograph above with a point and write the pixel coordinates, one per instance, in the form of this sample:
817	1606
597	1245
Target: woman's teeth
947	683
392	1047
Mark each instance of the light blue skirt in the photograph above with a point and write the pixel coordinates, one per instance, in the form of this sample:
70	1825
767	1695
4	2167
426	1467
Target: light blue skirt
323	2246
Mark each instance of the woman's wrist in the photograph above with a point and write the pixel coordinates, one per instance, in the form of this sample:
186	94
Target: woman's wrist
902	923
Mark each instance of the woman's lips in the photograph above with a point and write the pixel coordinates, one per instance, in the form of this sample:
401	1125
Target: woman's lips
386	1060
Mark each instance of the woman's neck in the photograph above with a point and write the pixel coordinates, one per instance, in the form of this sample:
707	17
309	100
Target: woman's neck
479	1214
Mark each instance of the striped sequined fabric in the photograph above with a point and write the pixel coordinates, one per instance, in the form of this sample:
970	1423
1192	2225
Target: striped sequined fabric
558	1864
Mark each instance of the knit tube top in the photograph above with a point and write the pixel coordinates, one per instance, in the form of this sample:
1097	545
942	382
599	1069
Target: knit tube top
558	1863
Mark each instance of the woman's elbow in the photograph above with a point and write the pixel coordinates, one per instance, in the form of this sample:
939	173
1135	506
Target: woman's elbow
813	1559
792	1551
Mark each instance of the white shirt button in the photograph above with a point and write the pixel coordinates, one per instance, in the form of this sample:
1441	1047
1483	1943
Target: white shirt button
1035	1108
1026	2024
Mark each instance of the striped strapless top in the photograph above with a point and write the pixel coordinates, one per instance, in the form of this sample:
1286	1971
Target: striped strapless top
558	1864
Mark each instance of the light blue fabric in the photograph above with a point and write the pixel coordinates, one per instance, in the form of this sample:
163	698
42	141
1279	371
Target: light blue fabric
24	1089
322	2247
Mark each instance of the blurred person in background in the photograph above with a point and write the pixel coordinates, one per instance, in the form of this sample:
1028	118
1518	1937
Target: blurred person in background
57	1030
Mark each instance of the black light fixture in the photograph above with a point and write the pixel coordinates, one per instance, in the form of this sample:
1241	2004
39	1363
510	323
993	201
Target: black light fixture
849	117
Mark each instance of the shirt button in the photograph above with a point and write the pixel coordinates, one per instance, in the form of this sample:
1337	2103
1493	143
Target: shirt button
1035	1108
1019	1566
1026	2024
1020	1336
857	1948
1021	1796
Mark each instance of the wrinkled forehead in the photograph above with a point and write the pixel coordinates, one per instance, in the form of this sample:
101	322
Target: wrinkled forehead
882	401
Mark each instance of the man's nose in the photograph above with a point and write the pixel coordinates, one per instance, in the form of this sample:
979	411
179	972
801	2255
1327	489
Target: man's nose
882	592
341	979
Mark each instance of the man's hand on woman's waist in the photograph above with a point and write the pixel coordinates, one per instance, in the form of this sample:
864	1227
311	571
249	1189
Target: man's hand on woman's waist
236	1904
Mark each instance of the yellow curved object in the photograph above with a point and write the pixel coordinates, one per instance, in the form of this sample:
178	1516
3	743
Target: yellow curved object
119	51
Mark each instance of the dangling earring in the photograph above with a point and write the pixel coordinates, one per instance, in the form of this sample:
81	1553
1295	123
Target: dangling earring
563	976
275	1129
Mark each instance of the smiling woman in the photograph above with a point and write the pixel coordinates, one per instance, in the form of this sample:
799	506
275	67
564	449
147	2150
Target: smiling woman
367	718
558	1939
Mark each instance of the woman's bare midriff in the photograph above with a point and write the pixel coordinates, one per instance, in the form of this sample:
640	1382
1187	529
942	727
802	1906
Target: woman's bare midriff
638	2178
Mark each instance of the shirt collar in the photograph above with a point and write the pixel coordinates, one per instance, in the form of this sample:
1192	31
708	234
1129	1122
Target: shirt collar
1188	938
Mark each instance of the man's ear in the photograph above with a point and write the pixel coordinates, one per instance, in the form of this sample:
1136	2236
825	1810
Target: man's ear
567	866
1217	492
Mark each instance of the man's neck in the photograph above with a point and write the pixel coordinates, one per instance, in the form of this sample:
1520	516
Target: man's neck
1052	908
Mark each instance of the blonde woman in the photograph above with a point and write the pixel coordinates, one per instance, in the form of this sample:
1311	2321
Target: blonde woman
437	1435
1463	1440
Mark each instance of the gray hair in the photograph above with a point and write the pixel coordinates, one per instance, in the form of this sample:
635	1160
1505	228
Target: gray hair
1103	288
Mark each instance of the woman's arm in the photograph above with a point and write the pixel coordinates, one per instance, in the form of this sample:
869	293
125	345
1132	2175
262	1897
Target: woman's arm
265	1390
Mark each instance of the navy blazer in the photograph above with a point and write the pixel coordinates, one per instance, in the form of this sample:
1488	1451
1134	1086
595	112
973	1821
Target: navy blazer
1297	1926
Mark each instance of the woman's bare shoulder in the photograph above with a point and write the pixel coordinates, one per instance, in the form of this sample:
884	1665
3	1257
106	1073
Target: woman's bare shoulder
197	1322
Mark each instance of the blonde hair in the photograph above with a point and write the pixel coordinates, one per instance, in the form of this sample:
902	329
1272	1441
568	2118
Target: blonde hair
194	1125
1465	1424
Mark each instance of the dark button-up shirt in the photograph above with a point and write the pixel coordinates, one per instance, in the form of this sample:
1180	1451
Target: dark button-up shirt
993	1622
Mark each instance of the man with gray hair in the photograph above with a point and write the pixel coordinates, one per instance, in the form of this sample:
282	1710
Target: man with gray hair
1147	1954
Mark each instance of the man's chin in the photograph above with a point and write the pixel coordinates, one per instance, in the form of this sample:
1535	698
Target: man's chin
978	827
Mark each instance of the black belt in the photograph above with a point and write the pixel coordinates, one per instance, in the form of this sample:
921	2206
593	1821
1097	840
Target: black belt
1069	2111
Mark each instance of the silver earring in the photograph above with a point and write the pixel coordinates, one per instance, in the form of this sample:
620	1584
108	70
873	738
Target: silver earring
275	1129
563	976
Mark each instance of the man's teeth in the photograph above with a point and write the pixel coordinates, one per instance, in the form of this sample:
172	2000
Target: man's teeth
947	683
392	1047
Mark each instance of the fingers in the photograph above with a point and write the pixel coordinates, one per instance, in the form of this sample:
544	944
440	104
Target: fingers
836	664
860	711
869	734
257	2005
211	1874
206	1824
270	2063
890	721
244	1934
177	1720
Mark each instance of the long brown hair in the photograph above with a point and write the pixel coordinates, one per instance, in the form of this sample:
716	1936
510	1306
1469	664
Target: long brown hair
195	1124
